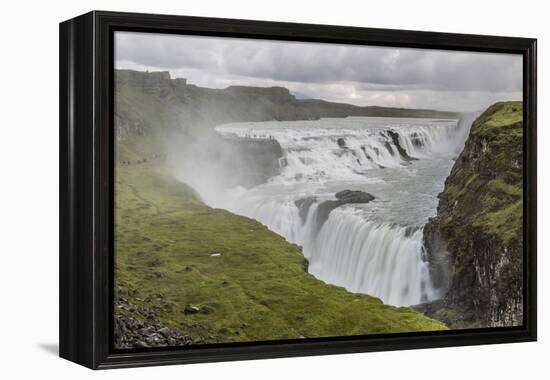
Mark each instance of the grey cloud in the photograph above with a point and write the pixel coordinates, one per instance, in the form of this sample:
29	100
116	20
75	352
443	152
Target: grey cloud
168	51
302	65
379	66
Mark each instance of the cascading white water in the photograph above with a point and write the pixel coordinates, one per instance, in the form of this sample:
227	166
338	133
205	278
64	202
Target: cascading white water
336	149
379	259
373	248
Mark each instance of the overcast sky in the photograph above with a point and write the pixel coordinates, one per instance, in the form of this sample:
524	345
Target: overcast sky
414	78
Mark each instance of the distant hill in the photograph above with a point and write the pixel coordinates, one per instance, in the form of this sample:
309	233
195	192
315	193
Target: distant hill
153	106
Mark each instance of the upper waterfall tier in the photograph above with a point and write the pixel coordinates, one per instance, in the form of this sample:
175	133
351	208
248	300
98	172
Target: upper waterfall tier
330	149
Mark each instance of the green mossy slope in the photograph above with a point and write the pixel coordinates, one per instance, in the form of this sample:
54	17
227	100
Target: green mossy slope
487	179
247	283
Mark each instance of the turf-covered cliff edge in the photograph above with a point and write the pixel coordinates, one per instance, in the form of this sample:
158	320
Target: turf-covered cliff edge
474	244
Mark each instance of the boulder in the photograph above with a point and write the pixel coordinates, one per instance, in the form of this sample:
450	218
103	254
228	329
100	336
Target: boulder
165	331
354	196
341	142
155	263
141	344
190	309
342	197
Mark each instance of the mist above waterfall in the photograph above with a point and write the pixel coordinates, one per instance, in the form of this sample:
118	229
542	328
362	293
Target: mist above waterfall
212	164
267	171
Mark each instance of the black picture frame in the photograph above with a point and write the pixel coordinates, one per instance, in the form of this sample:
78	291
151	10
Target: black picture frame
86	187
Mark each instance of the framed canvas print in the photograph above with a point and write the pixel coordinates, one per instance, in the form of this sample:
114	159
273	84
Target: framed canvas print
236	189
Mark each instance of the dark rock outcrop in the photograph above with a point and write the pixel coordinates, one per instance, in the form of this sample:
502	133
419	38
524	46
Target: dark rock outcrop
153	83
402	152
343	197
354	196
341	142
474	245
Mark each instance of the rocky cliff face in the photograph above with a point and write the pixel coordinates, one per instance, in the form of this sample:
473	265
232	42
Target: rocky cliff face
474	245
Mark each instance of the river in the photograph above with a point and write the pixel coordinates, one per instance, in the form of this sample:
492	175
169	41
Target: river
373	248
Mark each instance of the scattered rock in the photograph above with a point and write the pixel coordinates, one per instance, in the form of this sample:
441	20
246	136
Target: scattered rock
165	331
341	142
147	330
305	264
142	329
190	309
155	263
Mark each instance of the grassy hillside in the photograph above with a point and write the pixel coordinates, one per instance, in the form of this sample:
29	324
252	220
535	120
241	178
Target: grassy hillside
480	223
217	277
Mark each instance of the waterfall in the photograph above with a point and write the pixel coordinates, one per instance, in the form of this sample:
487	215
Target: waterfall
318	151
374	248
378	259
382	260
